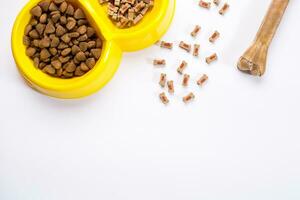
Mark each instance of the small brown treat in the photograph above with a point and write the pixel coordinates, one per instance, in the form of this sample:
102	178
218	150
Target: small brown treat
138	18
44	5
70	67
124	8
90	62
34	34
185	46
217	2
84	67
26	41
164	99
204	4
36	11
79	14
80	56
44	43
166	45
79	72
182	67
30	51
214	36
50	28
163	80
56	64
170	85
63	7
43	18
185	80
202	80
159	62
139	6
196	30
45	54
224	9
96	53
196	50
188	98
49	70
211	58
28	28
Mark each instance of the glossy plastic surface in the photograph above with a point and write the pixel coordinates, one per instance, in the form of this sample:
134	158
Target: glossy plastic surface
116	41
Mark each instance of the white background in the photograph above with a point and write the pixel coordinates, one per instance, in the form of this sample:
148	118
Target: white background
238	140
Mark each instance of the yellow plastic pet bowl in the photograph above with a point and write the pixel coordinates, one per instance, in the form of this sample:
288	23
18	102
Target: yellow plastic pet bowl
116	41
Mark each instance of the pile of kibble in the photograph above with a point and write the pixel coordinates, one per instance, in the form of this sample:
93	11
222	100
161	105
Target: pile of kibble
60	40
127	13
169	84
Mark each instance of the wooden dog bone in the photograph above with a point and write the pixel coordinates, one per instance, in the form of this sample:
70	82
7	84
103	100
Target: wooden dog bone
254	59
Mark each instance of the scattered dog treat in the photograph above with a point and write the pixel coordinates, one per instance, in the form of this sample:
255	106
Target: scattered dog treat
217	2
127	13
204	4
211	58
214	36
196	50
202	80
166	45
185	80
182	67
224	9
60	40
188	98
171	89
159	62
163	80
163	98
185	46
196	30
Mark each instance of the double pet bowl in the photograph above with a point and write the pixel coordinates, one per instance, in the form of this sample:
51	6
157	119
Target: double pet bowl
116	41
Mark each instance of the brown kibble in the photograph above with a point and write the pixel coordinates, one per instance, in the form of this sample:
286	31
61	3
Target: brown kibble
56	64
188	98
79	14
196	30
30	51
66	52
44	43
217	2
163	98
36	11
43	18
82	29
40	28
90	62
202	80
44	55
196	50
166	45
96	53
84	67
49	70
185	80
34	34
79	72
63	7
159	62
204	4
182	67
60	30
211	58
80	56
44	5
163	80
49	28
71	24
71	67
214	36
70	10
171	88
185	46
224	9
52	7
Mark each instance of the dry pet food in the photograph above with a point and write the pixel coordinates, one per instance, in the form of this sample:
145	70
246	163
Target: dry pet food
185	46
196	50
126	13
211	58
162	80
166	45
217	2
171	89
182	67
185	80
202	80
214	36
224	9
60	40
188	98
204	4
163	98
159	62
196	30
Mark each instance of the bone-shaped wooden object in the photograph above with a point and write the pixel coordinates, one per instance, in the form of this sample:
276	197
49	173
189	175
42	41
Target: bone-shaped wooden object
255	58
